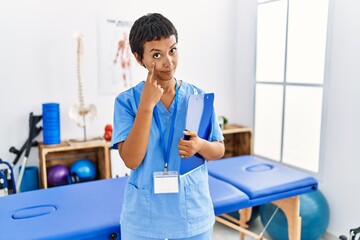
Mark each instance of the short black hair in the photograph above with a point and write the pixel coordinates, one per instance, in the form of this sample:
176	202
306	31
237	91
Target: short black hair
152	26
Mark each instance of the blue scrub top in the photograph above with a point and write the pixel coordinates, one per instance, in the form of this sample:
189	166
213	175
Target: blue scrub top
178	215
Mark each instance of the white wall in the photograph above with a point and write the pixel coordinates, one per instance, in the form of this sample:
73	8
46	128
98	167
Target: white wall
38	57
217	44
341	147
245	36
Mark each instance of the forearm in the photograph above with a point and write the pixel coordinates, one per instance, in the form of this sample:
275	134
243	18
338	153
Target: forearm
133	149
212	150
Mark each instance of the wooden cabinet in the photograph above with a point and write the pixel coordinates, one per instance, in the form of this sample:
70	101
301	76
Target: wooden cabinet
65	153
238	140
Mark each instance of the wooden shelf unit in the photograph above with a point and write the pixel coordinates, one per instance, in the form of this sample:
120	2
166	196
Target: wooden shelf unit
67	153
238	140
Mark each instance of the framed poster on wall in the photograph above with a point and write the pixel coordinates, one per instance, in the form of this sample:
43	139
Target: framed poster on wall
115	59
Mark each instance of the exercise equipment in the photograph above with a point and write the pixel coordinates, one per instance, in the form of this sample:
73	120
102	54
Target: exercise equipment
7	174
108	132
81	171
354	234
33	132
51	123
314	212
17	152
57	175
30	180
3	184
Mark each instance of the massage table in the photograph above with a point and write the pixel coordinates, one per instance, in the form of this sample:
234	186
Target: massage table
261	181
91	210
88	210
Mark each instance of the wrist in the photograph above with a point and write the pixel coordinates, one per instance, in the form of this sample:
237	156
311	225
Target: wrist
201	145
145	109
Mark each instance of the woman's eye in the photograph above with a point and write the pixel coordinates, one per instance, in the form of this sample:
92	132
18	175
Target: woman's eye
173	50
157	55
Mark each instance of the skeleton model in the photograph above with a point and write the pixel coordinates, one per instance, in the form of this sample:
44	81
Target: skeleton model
81	113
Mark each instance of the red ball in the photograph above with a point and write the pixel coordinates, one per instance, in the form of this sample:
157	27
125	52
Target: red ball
107	136
108	128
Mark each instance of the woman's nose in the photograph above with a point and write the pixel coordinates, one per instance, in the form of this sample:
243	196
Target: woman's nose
168	61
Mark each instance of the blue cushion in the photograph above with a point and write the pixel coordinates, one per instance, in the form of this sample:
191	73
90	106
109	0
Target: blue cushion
225	197
89	210
260	178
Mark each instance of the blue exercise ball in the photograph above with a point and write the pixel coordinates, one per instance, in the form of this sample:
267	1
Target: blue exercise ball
82	170
314	212
57	175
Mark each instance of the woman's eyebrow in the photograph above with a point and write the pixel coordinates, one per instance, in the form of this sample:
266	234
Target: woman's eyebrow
158	50
155	50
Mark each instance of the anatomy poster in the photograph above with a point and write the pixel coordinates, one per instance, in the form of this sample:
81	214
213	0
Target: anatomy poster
115	58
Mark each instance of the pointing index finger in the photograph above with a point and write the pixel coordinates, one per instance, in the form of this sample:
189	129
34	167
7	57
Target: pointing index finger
151	73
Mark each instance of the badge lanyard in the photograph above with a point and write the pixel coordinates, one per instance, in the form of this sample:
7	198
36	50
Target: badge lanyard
158	123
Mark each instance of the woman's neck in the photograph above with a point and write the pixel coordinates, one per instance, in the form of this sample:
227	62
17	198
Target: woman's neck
168	86
169	93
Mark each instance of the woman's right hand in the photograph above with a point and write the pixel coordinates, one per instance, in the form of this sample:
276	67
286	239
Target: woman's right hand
133	149
152	91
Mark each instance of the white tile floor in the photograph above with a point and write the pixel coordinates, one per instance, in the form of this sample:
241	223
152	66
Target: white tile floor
222	232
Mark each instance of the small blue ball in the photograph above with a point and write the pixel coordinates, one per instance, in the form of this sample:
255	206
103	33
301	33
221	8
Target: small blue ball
84	169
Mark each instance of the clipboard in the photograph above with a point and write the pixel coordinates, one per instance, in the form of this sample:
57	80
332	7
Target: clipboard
198	119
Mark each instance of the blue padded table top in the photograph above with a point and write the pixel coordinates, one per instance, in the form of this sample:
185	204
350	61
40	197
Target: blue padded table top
88	210
225	197
262	180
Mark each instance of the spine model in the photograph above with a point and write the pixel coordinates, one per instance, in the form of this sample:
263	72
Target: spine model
81	113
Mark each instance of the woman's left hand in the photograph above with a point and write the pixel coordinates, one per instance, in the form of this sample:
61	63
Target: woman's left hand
188	148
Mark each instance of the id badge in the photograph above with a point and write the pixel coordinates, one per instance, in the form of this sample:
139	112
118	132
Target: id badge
166	182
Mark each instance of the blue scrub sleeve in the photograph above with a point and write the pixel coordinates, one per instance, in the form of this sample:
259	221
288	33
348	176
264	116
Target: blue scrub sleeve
124	116
215	133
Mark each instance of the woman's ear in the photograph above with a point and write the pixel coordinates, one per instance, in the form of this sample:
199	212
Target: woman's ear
138	59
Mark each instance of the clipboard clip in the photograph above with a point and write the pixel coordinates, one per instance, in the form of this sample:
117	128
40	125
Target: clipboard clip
186	137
